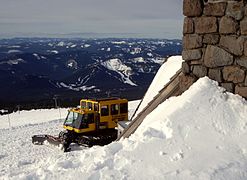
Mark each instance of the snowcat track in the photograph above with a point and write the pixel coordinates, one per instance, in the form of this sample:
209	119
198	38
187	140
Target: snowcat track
92	140
88	140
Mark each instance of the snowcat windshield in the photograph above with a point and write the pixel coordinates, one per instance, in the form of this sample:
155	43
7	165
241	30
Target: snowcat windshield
71	117
79	121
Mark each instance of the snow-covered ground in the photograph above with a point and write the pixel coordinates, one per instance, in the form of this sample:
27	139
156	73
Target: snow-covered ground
13	62
199	135
31	117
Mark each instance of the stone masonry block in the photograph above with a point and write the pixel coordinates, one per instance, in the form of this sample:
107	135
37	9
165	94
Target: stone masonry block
245	11
216	57
188	26
228	25
228	86
233	44
215	9
242	91
211	39
200	71
245	82
243	26
185	68
196	62
204	25
215	74
194	54
192	41
192	8
245	48
235	9
233	74
185	81
242	61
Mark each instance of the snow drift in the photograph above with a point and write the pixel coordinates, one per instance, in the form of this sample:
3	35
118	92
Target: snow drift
166	71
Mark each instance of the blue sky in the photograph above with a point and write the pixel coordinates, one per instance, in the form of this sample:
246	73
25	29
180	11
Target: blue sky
147	18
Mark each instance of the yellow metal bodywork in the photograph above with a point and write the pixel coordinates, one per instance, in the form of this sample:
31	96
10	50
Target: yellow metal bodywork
89	129
96	107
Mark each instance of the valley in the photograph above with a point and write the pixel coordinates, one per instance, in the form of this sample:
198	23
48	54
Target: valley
34	71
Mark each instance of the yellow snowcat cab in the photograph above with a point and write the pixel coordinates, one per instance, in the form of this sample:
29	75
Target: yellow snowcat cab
93	123
94	115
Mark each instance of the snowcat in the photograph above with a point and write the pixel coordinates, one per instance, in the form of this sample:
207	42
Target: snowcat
94	122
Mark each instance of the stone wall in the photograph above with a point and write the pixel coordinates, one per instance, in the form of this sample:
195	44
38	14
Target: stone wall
215	42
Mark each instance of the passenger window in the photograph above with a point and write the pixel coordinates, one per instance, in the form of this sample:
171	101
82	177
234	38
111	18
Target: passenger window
90	106
123	108
96	107
83	105
104	110
114	109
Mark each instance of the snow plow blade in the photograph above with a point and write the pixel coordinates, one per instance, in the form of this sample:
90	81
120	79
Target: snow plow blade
41	139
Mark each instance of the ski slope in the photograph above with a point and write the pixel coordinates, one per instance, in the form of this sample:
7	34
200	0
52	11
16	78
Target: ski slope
199	135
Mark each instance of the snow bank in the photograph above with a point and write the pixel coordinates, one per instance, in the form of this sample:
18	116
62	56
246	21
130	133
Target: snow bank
199	135
166	71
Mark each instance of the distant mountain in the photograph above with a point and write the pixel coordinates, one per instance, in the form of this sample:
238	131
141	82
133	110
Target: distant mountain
37	69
